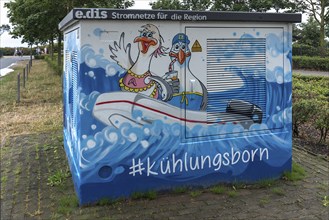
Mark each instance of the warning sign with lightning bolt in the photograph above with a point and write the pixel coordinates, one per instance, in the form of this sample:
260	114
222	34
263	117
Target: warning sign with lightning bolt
196	47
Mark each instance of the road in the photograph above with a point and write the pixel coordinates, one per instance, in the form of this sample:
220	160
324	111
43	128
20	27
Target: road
8	60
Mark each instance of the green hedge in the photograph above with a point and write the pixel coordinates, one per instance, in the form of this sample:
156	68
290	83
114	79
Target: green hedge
307	50
311	104
9	51
53	64
39	57
311	63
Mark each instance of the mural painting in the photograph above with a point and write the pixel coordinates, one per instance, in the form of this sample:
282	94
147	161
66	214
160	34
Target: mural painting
165	109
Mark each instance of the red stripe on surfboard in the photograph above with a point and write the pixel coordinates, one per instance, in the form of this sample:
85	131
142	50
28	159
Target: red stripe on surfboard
152	109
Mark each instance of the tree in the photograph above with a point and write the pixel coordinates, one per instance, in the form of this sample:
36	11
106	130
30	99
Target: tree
198	5
309	33
230	5
319	10
327	35
3	28
168	4
253	5
227	5
36	21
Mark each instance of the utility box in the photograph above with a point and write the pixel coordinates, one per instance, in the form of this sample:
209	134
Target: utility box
155	100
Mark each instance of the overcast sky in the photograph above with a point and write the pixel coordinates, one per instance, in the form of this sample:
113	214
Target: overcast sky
7	41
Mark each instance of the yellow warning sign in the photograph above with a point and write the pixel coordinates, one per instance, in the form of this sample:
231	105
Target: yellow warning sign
196	47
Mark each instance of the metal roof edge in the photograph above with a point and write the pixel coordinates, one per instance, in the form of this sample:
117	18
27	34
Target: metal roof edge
66	20
175	15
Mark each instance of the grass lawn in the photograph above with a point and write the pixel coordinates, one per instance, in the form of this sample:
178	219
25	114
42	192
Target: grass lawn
40	108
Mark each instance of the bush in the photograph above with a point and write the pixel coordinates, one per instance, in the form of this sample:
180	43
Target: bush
9	51
312	63
39	57
302	112
307	50
311	104
322	121
53	64
310	87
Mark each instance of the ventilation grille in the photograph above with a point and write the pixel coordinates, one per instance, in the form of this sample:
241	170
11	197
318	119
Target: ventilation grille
236	71
67	59
71	84
67	97
74	61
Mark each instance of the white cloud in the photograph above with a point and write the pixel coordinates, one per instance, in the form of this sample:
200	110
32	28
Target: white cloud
142	4
6	39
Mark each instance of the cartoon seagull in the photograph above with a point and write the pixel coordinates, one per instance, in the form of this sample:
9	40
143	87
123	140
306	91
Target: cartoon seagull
195	95
139	78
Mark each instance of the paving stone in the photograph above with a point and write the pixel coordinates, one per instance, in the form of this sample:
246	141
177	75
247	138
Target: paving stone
187	211
308	217
36	200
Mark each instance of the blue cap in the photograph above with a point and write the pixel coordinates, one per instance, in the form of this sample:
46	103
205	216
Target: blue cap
180	38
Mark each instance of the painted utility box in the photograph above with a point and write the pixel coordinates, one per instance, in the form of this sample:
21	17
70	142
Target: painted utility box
155	100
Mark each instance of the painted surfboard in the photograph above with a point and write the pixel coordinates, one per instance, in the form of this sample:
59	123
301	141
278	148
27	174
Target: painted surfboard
116	108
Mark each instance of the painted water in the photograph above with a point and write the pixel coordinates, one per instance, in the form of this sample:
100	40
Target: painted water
159	155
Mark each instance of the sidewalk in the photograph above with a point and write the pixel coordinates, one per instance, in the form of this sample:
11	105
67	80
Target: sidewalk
27	161
311	73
